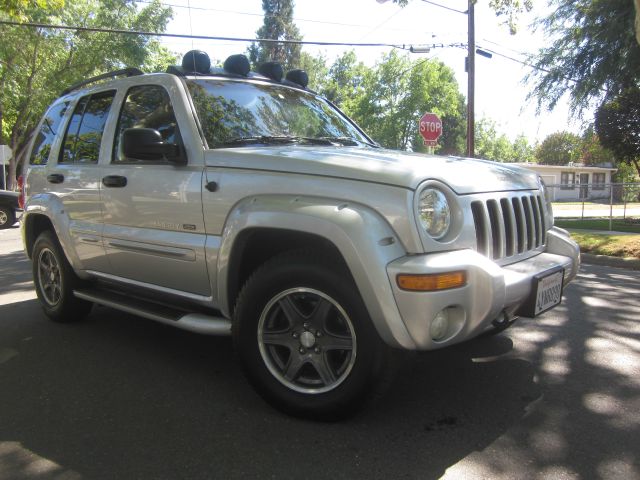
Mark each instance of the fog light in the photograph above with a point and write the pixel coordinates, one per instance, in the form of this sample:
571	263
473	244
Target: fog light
440	325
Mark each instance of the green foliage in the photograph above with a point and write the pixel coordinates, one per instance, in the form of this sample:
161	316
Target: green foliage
592	53
278	25
593	153
36	64
389	99
316	68
523	151
511	9
489	144
16	9
559	148
618	126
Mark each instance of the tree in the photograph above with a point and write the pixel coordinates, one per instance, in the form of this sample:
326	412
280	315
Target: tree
345	80
392	96
592	53
16	8
490	145
36	64
522	150
618	126
559	148
316	68
593	153
278	25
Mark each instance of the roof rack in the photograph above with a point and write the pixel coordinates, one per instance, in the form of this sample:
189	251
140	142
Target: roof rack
127	72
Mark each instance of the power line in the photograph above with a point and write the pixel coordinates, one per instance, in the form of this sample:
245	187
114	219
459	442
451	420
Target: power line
381	24
197	37
445	7
252	14
530	65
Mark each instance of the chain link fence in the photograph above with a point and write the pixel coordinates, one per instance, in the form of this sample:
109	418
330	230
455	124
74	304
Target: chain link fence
597	200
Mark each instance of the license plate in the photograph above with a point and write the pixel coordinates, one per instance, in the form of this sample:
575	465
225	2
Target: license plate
546	293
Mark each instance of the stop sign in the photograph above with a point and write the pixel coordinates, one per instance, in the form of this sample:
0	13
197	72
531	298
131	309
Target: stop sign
430	128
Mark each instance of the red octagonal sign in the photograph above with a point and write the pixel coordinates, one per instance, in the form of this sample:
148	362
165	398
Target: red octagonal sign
430	128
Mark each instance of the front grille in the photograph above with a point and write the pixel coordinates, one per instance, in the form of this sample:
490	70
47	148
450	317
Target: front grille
509	226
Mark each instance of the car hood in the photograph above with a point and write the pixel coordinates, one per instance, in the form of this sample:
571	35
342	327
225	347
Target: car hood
403	169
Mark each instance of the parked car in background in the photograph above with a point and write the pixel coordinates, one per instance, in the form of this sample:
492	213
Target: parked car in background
9	209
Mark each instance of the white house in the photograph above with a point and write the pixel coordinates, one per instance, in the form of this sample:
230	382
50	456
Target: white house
574	181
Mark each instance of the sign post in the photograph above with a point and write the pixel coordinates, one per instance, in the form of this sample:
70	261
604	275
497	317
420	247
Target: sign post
5	155
430	129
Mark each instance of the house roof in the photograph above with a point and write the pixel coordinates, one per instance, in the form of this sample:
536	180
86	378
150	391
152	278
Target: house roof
564	168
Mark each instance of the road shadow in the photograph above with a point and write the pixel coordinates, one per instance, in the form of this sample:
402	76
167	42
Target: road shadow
15	272
587	357
121	397
118	396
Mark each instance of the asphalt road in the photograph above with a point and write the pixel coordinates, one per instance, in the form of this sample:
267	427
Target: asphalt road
119	397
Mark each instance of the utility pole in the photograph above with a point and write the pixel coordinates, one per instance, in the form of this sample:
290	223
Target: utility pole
471	71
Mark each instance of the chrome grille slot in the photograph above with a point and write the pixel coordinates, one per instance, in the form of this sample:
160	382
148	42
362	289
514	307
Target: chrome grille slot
497	229
520	223
528	219
480	219
509	226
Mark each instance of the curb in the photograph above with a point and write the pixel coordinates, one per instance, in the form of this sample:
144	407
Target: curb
617	262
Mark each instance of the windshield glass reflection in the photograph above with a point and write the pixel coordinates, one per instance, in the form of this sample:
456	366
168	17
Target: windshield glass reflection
241	113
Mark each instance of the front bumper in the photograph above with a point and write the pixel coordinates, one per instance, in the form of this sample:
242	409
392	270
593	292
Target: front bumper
491	290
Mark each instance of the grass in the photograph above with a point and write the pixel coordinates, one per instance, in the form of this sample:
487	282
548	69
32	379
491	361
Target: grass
618	225
605	244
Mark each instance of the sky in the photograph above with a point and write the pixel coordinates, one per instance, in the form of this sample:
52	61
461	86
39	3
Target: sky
501	94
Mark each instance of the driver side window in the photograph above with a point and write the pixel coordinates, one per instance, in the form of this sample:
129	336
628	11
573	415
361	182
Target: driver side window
146	106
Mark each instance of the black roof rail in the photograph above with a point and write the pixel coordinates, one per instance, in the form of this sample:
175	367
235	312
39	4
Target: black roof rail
127	72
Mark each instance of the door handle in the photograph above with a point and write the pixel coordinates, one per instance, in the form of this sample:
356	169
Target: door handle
55	178
114	181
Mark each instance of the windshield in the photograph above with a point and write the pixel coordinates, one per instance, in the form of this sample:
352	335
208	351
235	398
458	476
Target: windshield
241	113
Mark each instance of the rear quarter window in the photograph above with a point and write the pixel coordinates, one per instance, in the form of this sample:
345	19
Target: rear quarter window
47	133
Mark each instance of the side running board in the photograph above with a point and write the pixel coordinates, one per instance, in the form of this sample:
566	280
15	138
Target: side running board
193	322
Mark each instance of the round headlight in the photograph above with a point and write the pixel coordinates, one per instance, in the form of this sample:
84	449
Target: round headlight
434	213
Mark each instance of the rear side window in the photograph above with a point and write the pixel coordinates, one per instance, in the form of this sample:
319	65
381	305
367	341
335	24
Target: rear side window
47	134
84	133
146	106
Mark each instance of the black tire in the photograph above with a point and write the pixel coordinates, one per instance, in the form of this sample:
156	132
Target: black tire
305	339
55	281
7	217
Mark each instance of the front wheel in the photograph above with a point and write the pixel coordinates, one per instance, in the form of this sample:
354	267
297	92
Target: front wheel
305	338
55	280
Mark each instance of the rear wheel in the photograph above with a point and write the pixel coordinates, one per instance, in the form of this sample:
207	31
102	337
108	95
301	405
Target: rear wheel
305	338
7	217
55	280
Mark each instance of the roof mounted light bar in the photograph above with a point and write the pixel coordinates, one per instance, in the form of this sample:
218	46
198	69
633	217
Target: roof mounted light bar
196	62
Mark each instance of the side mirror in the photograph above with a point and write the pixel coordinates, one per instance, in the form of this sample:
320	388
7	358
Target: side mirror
147	144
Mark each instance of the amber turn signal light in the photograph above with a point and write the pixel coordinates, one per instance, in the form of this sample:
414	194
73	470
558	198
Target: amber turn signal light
432	281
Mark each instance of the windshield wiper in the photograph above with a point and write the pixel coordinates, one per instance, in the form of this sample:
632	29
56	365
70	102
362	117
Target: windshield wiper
285	139
268	139
275	140
348	141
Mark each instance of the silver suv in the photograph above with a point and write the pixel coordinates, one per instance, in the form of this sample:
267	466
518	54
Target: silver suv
229	202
